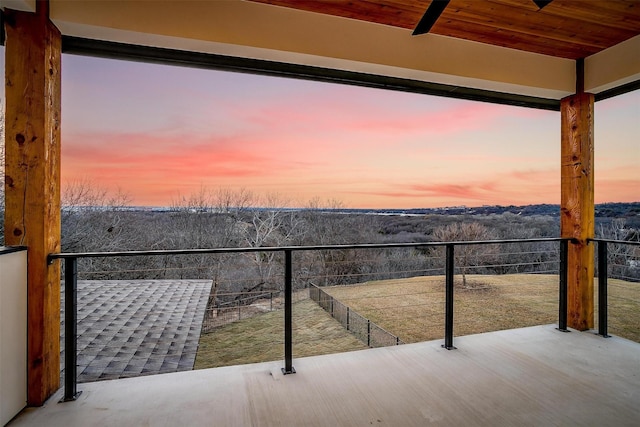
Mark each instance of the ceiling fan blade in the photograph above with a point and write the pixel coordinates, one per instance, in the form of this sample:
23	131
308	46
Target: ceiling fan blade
430	17
542	3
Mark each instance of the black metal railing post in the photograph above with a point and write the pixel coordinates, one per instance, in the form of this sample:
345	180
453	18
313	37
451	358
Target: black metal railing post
562	292
603	274
70	329
448	313
288	324
348	318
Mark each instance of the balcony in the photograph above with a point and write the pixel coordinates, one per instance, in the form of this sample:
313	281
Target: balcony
531	375
181	33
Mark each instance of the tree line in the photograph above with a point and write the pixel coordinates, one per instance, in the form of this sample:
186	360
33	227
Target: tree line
97	220
94	219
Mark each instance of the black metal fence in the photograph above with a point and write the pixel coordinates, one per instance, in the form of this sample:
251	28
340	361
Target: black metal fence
357	324
243	305
364	329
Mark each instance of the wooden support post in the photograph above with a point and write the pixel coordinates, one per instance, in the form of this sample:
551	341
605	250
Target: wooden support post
577	205
32	184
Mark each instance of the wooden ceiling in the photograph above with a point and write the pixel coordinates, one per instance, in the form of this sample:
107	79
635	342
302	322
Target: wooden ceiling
569	29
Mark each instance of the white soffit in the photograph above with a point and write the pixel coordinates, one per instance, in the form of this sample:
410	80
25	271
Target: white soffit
613	67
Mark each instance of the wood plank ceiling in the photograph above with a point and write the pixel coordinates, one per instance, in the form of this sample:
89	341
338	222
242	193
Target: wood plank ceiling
569	29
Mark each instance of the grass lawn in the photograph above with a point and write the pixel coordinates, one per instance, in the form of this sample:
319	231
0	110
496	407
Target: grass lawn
260	338
412	309
624	309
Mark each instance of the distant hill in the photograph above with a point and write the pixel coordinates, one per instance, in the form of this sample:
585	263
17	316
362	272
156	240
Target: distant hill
605	210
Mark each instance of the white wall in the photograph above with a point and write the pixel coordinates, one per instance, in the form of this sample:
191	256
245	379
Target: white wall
13	333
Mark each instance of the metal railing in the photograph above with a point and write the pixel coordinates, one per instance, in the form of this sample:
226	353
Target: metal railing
603	280
71	278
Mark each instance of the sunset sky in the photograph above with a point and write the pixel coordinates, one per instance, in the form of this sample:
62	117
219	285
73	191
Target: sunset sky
161	132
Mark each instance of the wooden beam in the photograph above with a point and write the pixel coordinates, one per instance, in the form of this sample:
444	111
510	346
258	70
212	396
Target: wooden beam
577	205
32	184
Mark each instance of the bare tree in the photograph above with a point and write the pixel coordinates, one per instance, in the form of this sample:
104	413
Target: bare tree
270	225
95	219
92	218
233	202
466	256
323	226
229	207
624	260
209	218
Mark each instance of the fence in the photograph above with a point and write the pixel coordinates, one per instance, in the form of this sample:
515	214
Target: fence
243	306
364	329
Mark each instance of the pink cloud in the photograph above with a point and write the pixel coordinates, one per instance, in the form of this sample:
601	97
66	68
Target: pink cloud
516	187
138	160
357	113
476	191
153	166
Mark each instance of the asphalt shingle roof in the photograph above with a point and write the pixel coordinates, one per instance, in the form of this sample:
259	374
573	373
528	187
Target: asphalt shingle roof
137	327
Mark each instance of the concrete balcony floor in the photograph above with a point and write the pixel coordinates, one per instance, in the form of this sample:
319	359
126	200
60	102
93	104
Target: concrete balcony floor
530	376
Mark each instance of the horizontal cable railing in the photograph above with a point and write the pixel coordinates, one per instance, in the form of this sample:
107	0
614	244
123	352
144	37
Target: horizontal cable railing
444	259
606	264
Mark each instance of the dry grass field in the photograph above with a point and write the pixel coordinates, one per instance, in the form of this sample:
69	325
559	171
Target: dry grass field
624	309
260	338
412	309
